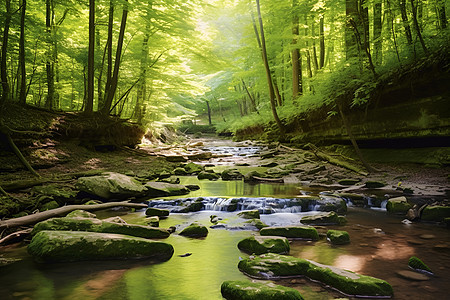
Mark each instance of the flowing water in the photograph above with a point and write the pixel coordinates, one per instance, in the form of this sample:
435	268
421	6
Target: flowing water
380	246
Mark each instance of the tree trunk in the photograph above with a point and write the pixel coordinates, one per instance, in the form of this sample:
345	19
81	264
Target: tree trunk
89	107
442	18
297	88
22	70
402	4
417	27
314	50
308	64
109	51
268	73
252	99
115	77
352	16
3	69
321	43
49	65
209	112
377	29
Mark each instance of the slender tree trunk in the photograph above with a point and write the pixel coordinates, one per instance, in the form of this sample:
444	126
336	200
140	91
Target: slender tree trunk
417	27
49	65
314	50
402	4
297	88
3	68
22	70
91	52
377	29
321	43
109	50
115	77
209	112
252	99
308	63
268	73
442	17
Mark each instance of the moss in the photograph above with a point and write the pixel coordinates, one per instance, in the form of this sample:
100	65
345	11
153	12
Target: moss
329	218
398	205
179	171
349	181
231	174
63	246
301	232
338	237
49	205
418	264
80	214
274	265
249	214
246	290
207	175
151	211
435	213
192	168
264	244
195	230
257	223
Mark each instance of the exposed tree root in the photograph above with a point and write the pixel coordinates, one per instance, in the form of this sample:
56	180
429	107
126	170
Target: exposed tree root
15	235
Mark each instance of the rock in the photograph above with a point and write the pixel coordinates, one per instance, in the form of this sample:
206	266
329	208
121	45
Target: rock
80	214
338	237
257	223
398	205
356	199
162	189
264	244
192	168
331	203
427	236
249	214
435	213
180	171
65	246
316	170
193	187
153	221
269	153
250	176
189	205
195	230
164	175
246	290
374	184
110	186
55	192
418	265
268	266
115	219
326	218
175	158
49	205
301	232
269	164
95	225
171	179
349	181
231	174
151	211
208	175
277	172
93	202
410	275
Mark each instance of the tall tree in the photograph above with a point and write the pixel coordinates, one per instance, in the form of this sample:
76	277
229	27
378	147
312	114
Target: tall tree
402	4
442	17
377	29
91	59
22	70
321	43
3	68
49	64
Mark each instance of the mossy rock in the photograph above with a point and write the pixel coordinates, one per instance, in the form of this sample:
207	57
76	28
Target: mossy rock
249	214
162	189
56	191
153	221
249	177
192	168
257	223
331	203
374	184
80	214
325	218
349	181
180	171
398	205
418	265
300	232
435	213
274	266
246	290
95	225
338	237
152	211
195	230
65	246
231	174
208	175
264	244
49	205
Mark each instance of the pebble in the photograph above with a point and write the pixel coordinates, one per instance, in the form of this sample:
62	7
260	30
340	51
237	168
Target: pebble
427	236
441	247
415	242
410	275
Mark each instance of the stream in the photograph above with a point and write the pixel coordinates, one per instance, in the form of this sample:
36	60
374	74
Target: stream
380	246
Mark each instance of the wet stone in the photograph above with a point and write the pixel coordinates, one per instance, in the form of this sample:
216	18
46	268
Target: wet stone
411	275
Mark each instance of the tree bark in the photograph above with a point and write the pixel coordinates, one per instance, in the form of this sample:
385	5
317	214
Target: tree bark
442	18
417	27
22	70
352	14
321	43
377	29
268	73
109	51
297	88
115	76
402	4
252	99
49	65
3	69
89	107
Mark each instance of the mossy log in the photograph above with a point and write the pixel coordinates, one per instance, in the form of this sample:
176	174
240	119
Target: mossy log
35	218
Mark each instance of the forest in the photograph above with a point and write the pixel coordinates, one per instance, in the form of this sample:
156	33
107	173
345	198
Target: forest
292	126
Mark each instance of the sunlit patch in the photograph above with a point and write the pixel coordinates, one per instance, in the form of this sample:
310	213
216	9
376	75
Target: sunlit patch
93	163
351	262
392	250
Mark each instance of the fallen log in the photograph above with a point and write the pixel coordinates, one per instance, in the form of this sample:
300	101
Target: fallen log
60	211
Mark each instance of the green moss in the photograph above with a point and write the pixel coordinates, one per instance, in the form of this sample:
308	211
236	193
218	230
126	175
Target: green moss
249	214
274	265
195	230
246	290
207	175
151	211
80	214
264	244
338	237
63	246
435	213
329	218
231	174
418	265
192	168
257	223
398	205
301	232
49	205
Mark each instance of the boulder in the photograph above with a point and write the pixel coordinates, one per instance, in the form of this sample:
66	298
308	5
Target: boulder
331	203
436	213
110	186
257	223
189	205
162	189
300	232
349	181
195	230
95	225
231	174
65	246
250	176
180	171
398	205
246	290
81	214
338	237
325	218
249	214
268	266
208	175
153	221
151	211
264	244
192	168
418	265
374	184
55	192
414	276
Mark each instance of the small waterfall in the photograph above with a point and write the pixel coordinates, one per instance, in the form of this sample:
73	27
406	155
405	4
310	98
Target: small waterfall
383	204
